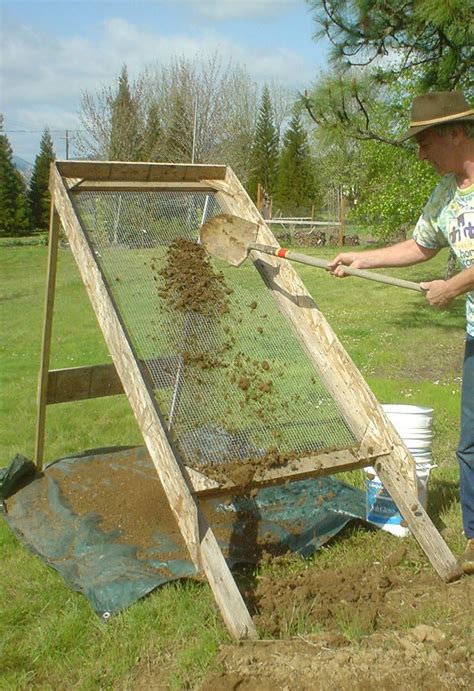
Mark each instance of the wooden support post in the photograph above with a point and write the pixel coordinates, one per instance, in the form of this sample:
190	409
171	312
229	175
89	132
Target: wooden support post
47	329
342	219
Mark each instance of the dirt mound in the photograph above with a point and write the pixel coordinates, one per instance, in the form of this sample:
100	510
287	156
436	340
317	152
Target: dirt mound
422	659
367	632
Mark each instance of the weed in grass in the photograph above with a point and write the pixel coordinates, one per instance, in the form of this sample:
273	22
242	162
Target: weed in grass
353	626
299	621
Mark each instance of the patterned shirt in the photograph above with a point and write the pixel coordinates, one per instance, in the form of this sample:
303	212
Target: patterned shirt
448	220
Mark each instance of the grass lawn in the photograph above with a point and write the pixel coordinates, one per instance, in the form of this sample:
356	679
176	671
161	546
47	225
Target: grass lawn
50	638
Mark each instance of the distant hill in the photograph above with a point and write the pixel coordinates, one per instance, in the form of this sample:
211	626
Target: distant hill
25	168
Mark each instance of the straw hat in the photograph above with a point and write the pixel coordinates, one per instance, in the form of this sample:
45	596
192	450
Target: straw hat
437	108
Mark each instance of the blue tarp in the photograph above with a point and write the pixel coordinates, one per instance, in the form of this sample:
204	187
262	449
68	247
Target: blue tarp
101	519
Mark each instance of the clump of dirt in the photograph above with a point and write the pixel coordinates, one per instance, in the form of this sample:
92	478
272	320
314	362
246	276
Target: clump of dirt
245	473
189	281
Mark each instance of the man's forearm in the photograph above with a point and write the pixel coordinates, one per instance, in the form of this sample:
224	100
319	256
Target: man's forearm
441	293
461	283
404	253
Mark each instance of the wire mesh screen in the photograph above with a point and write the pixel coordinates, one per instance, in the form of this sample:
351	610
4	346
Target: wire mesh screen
230	378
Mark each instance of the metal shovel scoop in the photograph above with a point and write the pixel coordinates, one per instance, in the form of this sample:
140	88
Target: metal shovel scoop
231	238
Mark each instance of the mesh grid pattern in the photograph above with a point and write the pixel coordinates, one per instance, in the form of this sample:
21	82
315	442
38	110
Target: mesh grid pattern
230	385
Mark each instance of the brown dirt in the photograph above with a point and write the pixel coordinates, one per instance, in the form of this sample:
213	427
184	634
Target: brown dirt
365	623
127	498
189	281
370	634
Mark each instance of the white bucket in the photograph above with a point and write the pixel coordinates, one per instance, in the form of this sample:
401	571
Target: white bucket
380	507
409	417
414	445
414	425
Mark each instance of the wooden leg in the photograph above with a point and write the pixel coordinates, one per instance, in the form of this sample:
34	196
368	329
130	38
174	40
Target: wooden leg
417	519
46	344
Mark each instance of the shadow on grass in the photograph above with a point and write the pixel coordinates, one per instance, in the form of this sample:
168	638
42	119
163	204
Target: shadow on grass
424	316
443	494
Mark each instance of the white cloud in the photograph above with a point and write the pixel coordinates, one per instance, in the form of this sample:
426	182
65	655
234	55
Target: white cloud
44	76
239	9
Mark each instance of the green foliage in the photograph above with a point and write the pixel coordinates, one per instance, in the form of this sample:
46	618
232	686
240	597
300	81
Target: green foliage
151	135
125	134
179	138
388	200
296	189
38	194
429	40
264	154
14	215
364	163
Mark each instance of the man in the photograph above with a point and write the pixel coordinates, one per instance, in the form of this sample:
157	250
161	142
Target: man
443	125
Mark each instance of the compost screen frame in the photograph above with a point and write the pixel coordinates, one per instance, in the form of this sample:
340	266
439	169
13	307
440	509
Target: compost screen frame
380	445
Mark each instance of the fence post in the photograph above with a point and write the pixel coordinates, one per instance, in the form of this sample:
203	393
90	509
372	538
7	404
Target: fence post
342	219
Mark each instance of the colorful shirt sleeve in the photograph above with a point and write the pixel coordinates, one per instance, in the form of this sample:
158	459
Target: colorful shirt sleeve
427	231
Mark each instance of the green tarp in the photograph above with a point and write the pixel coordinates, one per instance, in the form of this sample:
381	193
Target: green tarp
102	521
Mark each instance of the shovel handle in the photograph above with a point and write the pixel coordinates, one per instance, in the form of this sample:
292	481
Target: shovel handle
321	264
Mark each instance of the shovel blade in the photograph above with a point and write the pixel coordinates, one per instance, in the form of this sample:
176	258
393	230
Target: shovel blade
228	238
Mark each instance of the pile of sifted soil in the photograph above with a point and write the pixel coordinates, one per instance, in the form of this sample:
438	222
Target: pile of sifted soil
128	502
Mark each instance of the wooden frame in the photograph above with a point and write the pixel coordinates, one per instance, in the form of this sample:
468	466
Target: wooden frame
380	445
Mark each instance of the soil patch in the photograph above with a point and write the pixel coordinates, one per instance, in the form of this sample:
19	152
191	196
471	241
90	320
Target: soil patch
370	635
127	501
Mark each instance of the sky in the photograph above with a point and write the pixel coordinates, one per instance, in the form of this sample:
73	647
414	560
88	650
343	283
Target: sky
51	52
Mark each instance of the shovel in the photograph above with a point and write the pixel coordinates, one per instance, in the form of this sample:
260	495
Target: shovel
231	238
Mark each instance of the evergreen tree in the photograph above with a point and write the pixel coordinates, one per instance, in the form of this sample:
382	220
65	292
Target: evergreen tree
296	191
430	41
152	135
179	136
264	154
125	134
14	216
38	194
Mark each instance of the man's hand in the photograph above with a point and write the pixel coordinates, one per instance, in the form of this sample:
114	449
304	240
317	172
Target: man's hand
336	265
438	293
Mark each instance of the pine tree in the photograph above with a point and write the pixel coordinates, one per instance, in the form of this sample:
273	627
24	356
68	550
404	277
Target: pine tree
430	41
152	135
125	135
296	189
38	194
14	216
179	138
264	154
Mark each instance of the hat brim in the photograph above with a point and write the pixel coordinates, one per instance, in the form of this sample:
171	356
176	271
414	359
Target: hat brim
412	131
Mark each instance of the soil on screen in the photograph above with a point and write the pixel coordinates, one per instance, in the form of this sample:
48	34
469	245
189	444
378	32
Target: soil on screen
190	284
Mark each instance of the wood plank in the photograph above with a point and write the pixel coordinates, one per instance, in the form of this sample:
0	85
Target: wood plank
53	244
81	383
117	186
94	381
140	172
297	469
199	538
